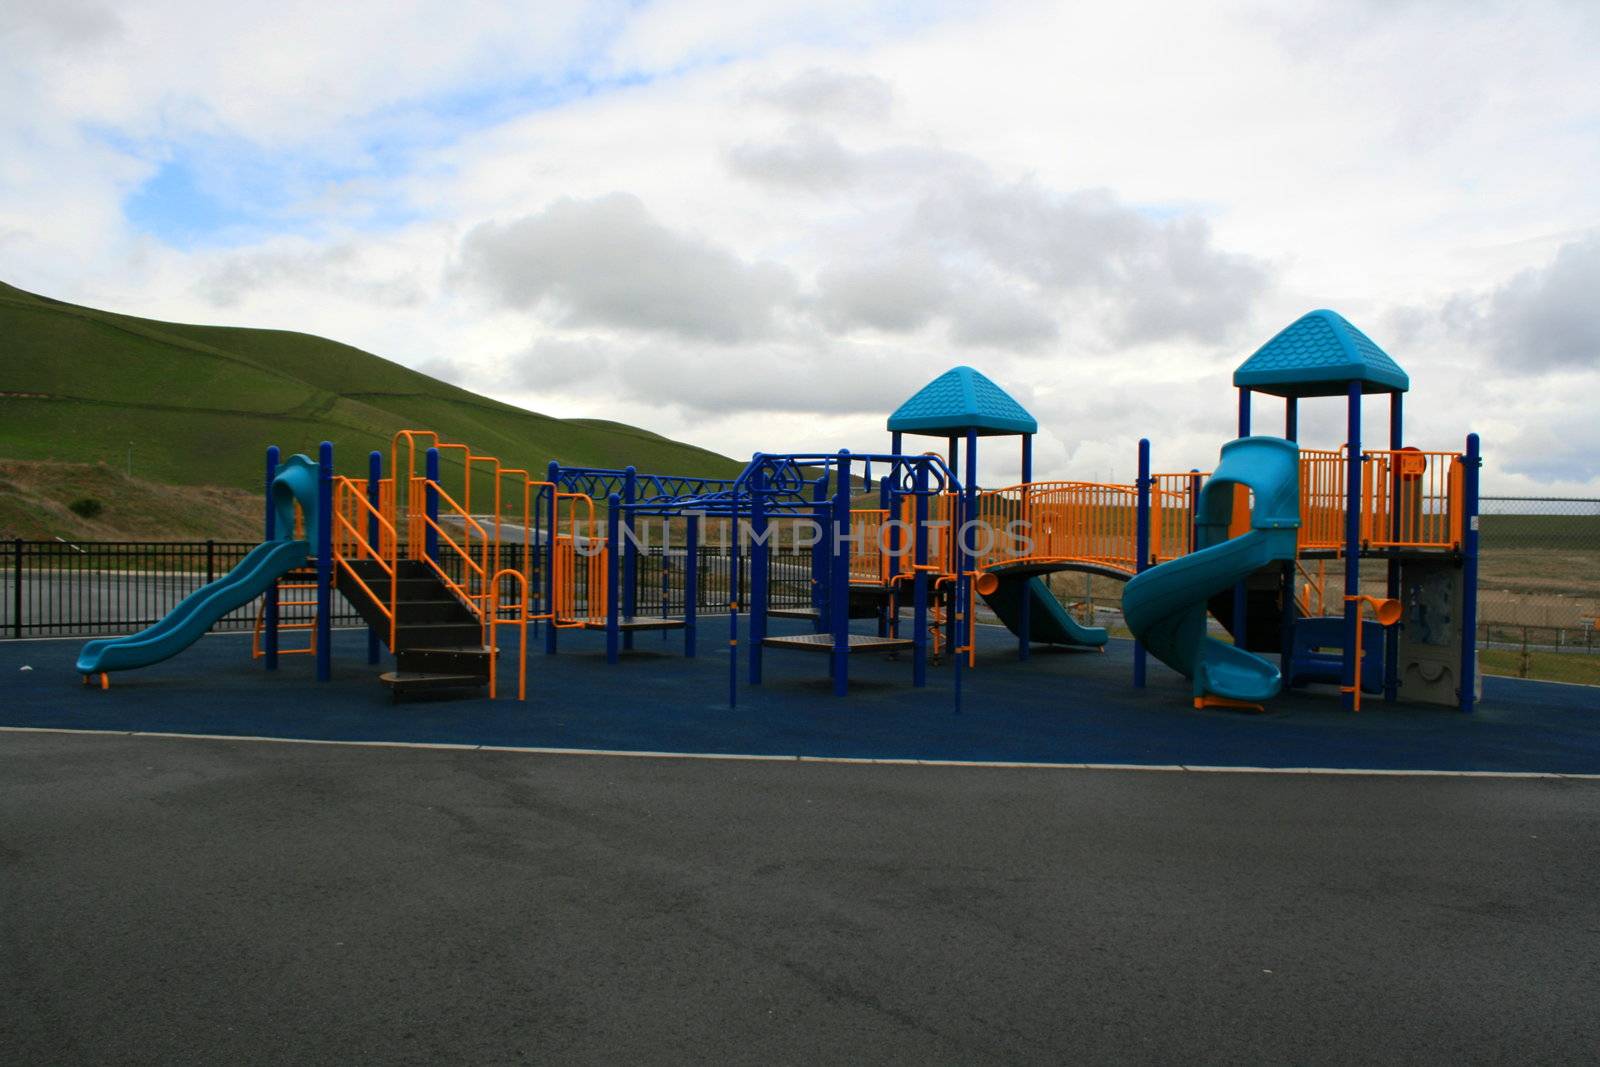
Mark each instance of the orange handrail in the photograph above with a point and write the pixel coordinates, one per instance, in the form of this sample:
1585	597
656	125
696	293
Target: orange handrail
485	584
348	496
974	577
410	437
566	564
1319	585
521	622
256	651
476	602
1387	613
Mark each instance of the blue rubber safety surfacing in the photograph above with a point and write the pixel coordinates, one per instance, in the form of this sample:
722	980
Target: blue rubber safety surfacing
1060	706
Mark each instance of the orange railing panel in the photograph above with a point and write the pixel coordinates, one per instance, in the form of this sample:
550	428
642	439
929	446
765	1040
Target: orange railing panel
1062	522
1322	499
1173	498
1411	499
869	559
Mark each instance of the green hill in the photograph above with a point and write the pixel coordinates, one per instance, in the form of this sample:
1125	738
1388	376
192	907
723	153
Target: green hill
200	404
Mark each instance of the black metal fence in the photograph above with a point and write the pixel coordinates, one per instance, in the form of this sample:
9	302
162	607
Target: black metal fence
102	588
90	588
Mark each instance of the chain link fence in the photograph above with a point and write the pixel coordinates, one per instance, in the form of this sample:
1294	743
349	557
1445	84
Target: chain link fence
1539	587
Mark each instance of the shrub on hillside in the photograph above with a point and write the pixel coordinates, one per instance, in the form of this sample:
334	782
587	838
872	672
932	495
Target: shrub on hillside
87	508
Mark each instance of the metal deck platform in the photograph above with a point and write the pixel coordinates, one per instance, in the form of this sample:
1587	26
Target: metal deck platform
636	624
824	643
809	614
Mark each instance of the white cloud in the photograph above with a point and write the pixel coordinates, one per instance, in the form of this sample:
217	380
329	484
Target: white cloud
763	227
608	262
1544	317
829	94
898	294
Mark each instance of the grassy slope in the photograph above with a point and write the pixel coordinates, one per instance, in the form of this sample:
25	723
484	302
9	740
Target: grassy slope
201	403
35	499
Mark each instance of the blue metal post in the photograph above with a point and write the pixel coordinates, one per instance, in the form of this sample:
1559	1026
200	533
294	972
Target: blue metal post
886	505
839	584
552	475
919	585
374	480
534	554
1194	509
1024	617
1141	540
896	547
953	463
734	593
1391	634
269	628
823	515
1286	582
758	569
1240	599
324	547
951	631
613	627
666	569
966	561
691	581
1472	461
430	539
630	558
1352	542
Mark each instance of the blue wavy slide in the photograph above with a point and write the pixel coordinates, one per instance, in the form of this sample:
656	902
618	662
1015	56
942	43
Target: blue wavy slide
1165	607
196	613
295	483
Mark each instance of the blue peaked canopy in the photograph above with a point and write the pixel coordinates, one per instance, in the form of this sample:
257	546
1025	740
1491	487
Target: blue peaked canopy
959	400
1320	354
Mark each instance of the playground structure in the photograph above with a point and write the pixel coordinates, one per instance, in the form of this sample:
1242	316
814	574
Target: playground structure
1415	511
444	568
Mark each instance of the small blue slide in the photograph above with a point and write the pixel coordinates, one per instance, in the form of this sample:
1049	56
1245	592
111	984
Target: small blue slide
255	574
1165	607
1048	622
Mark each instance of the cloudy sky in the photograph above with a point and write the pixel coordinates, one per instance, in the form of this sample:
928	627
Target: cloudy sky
761	226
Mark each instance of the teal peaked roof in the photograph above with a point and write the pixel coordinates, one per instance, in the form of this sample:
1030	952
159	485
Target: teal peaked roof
959	400
1320	354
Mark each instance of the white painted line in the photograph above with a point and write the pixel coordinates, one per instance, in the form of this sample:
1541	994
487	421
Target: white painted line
1381	772
304	740
61	730
628	753
536	750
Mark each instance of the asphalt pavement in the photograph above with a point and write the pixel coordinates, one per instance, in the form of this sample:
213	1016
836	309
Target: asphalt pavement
240	902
